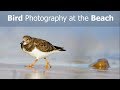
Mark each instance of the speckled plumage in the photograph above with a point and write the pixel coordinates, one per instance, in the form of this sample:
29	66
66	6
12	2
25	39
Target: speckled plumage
42	45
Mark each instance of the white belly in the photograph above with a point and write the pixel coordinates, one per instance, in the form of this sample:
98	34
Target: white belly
39	54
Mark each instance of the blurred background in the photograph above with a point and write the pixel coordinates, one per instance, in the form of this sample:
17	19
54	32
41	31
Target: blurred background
83	44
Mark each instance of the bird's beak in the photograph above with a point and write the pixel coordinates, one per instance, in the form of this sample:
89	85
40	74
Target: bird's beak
22	42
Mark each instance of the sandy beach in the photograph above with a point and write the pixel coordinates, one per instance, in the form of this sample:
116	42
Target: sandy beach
83	45
82	71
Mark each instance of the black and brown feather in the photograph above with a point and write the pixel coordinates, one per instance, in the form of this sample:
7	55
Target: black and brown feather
40	44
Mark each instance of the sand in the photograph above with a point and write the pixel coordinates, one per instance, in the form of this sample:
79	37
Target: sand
14	71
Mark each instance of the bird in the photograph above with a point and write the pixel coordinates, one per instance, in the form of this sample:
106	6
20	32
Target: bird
39	48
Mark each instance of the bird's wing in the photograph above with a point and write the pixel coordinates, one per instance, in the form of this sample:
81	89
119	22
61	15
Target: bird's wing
43	45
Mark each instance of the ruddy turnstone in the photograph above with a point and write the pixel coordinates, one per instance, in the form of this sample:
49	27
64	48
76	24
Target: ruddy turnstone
38	48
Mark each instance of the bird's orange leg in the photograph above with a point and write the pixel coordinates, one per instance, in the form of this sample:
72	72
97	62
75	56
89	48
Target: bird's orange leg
47	66
32	65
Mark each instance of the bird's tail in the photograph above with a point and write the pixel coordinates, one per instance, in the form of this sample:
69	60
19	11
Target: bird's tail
59	48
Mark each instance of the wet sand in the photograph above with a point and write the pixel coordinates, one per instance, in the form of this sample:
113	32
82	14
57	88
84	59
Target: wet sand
9	71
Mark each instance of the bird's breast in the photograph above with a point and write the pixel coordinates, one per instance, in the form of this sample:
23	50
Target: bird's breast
39	54
28	47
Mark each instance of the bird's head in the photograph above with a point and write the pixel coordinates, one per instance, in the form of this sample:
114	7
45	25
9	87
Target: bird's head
26	40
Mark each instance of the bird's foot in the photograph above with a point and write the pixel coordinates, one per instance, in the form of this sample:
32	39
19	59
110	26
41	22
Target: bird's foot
47	66
30	66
